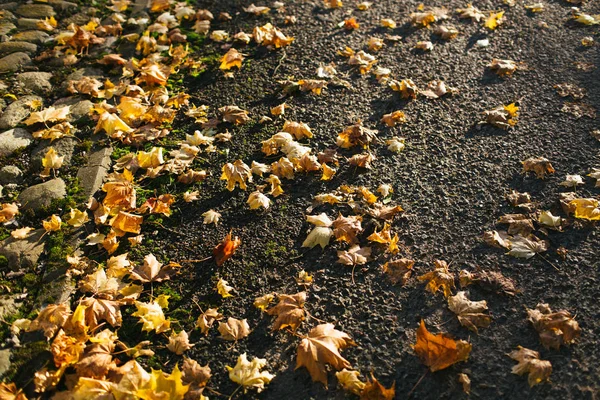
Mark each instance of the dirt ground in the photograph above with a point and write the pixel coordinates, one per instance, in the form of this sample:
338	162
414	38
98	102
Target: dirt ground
451	179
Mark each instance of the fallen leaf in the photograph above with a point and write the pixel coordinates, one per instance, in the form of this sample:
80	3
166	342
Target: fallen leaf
398	270
439	278
238	172
350	382
224	289
234	115
466	382
21	233
262	302
555	328
49	114
539	165
374	390
179	343
234	329
152	316
207	319
494	20
248	374
529	363
289	311
231	59
163	386
585	209
320	347
470	313
224	250
526	247
439	351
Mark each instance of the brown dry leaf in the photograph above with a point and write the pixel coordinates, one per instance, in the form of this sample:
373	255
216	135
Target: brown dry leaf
356	135
158	205
489	280
374	390
527	247
518	224
394	118
384	212
50	319
398	270
470	313
555	328
407	88
568	89
49	114
346	228
9	391
320	347
502	116
529	363
439	278
8	212
289	311
268	35
465	381
300	130
503	67
356	255
196	376
120	191
499	239
232	58
238	172
97	310
439	351
97	359
579	110
234	114
363	160
224	250
153	271
539	165
179	343
234	329
207	319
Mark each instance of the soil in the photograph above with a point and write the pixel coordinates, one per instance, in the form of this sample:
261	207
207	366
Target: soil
451	180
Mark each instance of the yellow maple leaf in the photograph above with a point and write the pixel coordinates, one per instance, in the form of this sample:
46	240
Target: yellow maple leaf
439	278
51	161
494	20
163	386
52	224
77	218
49	114
249	374
586	209
232	58
224	289
150	159
111	123
152	316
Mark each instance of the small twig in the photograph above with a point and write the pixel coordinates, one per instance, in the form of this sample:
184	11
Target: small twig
548	261
196	261
234	392
312	316
279	63
353	268
417	384
215	392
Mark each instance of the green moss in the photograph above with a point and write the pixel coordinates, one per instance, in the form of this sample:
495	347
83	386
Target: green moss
3	262
119	152
169	291
26	360
29	279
